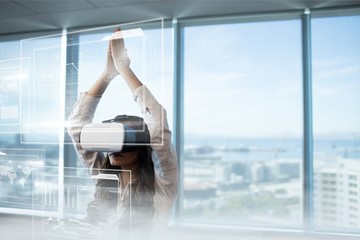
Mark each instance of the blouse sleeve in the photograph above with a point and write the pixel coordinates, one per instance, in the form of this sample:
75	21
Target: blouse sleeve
164	154
83	113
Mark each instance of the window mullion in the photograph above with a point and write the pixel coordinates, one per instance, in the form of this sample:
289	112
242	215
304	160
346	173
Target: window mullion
308	189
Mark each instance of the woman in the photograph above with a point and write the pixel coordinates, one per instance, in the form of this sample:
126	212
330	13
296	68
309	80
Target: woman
154	169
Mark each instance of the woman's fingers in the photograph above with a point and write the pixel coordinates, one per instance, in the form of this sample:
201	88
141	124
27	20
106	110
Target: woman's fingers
118	51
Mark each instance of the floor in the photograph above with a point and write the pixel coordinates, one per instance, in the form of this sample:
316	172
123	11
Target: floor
14	227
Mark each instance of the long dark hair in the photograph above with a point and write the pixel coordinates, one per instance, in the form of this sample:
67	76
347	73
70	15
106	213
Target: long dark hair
140	205
142	188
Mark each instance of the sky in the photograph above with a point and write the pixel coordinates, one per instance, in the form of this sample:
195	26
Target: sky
336	74
246	79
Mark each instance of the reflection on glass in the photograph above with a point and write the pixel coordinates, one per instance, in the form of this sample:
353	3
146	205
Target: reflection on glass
84	206
16	176
13	71
336	98
243	124
77	205
41	94
10	77
24	108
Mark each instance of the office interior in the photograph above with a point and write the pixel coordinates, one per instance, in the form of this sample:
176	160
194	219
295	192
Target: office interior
262	99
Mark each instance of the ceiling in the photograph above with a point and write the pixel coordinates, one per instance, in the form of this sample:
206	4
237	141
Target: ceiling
21	16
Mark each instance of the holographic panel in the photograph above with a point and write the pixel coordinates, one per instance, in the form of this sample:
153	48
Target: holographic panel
62	62
18	169
83	206
13	74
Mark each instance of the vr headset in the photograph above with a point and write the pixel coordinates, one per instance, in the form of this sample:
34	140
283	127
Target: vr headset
121	134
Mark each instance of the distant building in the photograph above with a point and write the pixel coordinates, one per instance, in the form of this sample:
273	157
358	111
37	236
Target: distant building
289	168
262	172
337	194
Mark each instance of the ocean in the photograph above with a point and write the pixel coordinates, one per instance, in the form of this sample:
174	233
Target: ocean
262	149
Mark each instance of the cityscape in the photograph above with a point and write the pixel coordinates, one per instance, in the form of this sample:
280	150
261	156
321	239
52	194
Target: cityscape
251	182
263	184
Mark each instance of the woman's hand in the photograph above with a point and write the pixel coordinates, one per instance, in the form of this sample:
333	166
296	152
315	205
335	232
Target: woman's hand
120	57
117	57
110	71
117	62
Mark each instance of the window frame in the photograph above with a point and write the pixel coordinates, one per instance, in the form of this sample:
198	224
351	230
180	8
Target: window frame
179	25
306	17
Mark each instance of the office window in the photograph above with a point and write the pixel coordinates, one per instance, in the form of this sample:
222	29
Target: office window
29	118
336	111
243	124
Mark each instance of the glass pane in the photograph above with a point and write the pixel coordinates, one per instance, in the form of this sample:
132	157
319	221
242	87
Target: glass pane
41	93
29	117
79	208
10	79
336	90
243	124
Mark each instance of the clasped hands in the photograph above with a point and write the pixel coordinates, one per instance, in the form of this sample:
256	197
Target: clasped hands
117	58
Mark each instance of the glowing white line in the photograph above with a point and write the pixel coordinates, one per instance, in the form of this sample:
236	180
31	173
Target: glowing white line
136	32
